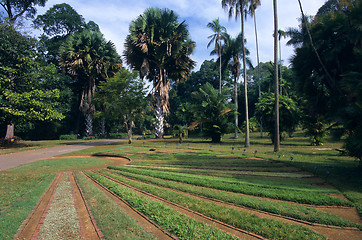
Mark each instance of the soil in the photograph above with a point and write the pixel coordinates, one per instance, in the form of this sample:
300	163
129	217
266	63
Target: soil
32	227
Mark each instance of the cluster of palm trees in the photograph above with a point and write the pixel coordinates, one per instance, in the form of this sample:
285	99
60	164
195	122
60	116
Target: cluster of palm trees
231	50
159	47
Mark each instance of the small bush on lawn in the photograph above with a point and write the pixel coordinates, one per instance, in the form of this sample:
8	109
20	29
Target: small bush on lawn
68	137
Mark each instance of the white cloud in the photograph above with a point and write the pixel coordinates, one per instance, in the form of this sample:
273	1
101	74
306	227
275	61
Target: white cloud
114	17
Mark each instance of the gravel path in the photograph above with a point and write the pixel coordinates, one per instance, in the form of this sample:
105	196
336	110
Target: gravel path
16	159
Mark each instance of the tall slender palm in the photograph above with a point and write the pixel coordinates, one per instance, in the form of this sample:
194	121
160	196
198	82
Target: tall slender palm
281	34
159	47
239	8
276	80
252	8
217	38
232	53
89	59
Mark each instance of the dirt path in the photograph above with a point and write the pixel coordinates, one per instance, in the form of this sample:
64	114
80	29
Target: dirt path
16	159
60	213
147	224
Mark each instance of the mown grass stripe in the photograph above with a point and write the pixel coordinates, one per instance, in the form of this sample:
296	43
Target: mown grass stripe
178	224
305	197
12	219
239	219
298	212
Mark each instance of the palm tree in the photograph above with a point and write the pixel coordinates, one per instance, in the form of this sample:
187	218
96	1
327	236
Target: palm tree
253	5
281	34
217	38
88	58
276	87
159	47
239	7
232	54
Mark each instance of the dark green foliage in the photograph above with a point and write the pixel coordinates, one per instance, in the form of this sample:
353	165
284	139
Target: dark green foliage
121	101
211	108
290	113
25	92
332	93
68	137
15	8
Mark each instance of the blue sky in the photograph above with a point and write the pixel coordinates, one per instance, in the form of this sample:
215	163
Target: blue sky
114	17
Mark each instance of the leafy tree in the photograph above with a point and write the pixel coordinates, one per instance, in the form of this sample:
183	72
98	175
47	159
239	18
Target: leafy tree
218	37
15	8
23	95
123	98
181	93
89	59
159	47
59	22
211	109
330	81
290	114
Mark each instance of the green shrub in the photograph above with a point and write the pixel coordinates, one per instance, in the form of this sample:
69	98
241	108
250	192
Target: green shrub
68	137
117	135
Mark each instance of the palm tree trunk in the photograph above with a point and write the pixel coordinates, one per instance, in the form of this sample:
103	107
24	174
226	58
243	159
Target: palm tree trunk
103	127
159	116
257	59
247	138
280	68
220	66
236	106
88	125
276	79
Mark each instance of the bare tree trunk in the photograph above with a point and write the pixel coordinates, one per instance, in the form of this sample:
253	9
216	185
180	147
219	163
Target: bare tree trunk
276	80
257	58
103	127
9	131
88	125
247	138
236	107
220	66
159	132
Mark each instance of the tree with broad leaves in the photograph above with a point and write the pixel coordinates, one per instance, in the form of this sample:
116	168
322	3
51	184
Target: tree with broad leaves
123	98
159	47
15	8
23	95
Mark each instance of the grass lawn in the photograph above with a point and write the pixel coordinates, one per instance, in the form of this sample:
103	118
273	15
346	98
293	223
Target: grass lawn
196	164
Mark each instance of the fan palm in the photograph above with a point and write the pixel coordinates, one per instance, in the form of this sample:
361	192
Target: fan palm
159	47
239	8
88	58
217	38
